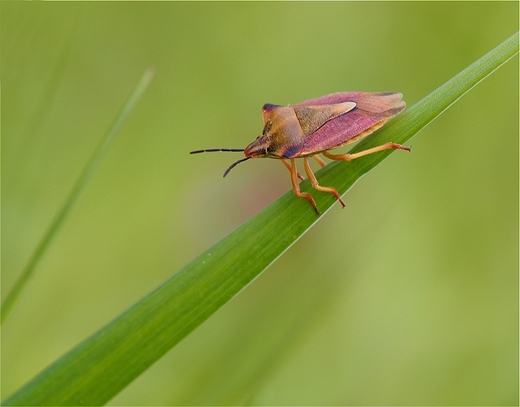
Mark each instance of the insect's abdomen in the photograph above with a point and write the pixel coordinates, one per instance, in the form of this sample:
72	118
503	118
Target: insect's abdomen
371	112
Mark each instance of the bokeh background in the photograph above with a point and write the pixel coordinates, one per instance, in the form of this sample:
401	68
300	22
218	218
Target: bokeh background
407	296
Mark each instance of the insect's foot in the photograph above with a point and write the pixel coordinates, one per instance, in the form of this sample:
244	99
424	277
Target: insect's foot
315	207
313	204
400	147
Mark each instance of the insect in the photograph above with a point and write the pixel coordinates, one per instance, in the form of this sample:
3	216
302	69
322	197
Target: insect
316	126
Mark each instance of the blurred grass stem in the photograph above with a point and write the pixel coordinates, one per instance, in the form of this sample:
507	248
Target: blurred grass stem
78	188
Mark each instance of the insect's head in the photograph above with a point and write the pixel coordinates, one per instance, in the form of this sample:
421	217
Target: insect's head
259	148
265	144
270	143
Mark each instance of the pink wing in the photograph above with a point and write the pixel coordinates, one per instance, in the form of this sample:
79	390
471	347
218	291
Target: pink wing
331	99
370	109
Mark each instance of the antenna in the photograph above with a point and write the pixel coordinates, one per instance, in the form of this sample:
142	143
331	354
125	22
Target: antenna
225	150
214	150
235	164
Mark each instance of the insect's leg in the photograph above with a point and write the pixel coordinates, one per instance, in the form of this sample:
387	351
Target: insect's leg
296	187
319	160
349	157
288	166
314	182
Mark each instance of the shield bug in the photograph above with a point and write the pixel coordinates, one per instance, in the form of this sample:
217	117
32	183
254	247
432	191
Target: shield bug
316	126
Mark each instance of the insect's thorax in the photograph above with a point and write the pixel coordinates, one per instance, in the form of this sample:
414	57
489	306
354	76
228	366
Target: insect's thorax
282	134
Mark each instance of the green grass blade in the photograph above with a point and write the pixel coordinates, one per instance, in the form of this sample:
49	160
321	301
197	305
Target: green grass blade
80	185
104	364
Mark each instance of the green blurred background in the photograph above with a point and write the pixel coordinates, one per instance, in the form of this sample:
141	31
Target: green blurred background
407	296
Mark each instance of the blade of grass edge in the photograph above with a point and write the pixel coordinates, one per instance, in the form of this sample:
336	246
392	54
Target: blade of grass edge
100	367
79	187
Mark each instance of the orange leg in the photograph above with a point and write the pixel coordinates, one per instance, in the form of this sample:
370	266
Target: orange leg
288	166
314	182
319	160
296	187
349	157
